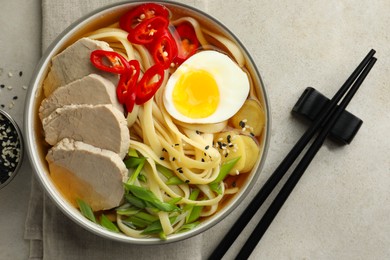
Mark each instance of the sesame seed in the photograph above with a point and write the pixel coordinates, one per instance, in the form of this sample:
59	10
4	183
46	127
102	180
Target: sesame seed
162	158
242	123
20	73
197	132
9	87
202	159
9	149
207	147
2	86
187	181
24	87
10	74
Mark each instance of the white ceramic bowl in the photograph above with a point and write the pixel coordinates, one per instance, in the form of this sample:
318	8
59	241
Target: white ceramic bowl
33	128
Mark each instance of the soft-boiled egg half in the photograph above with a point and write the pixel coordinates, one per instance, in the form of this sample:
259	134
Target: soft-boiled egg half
208	87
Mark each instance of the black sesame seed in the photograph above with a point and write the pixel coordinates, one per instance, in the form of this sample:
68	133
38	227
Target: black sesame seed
15	98
202	160
226	155
242	124
164	150
2	86
177	144
20	73
162	158
2	106
197	132
180	171
173	159
207	147
187	181
228	138
252	134
219	144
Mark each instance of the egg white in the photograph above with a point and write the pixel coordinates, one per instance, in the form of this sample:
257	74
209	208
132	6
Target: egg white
232	82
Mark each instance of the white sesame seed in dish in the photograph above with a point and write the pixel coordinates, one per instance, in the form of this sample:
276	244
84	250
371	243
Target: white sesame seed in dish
11	148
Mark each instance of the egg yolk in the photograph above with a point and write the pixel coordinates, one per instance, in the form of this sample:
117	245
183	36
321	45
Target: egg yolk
196	94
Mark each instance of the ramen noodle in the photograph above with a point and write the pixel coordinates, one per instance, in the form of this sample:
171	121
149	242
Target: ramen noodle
184	161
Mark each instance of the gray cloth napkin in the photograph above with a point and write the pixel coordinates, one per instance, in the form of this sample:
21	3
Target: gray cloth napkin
54	236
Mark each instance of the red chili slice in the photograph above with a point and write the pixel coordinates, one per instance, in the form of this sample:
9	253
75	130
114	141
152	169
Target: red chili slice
148	30
148	85
126	89
141	13
109	61
164	49
187	42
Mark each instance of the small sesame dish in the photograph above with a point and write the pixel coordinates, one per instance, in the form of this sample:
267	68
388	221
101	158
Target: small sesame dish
147	122
11	148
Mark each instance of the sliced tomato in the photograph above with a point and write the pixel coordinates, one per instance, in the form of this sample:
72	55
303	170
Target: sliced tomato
149	84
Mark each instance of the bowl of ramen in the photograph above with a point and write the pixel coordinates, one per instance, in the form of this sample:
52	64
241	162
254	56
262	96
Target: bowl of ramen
147	122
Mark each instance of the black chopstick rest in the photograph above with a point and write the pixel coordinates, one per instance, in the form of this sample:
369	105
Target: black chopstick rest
312	102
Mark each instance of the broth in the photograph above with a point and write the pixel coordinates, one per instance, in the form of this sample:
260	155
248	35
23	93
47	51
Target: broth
72	187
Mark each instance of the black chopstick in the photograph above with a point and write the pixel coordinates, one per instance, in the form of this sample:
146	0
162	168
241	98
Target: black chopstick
287	188
274	179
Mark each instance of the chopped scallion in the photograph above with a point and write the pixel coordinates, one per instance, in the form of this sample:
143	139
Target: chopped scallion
86	210
108	224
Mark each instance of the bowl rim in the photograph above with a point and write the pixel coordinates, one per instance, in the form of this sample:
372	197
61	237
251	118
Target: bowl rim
29	117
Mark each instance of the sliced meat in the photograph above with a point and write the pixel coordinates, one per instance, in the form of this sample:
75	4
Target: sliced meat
74	63
82	171
92	89
102	126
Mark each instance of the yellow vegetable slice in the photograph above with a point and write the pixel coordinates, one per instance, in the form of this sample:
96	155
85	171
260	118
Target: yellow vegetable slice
230	145
251	151
250	118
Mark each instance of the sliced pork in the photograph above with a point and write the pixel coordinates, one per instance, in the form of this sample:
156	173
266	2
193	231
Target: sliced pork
102	126
92	89
82	171
74	63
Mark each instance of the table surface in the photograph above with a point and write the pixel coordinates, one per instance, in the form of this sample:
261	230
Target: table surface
341	207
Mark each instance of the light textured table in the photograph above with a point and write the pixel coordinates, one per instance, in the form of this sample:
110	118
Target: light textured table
340	209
